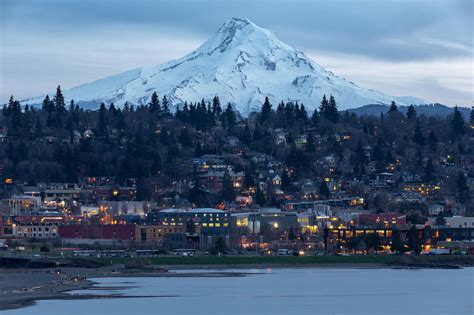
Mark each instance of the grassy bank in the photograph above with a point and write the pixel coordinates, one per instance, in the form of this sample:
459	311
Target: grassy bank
252	260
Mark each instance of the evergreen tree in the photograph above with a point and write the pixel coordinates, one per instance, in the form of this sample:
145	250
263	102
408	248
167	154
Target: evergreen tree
373	241
332	114
411	112
463	191
249	180
323	108
58	100
260	197
198	150
418	137
286	181
247	135
126	107
310	146
154	104
429	171
48	105
112	109
165	106
393	108
471	122
302	114
457	122
328	109
220	245
432	140
228	192
414	242
72	107
315	118
397	245
266	111
102	120
229	117
184	138
324	190
216	106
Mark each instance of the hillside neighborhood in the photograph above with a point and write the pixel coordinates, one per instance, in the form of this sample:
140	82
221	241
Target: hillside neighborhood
207	179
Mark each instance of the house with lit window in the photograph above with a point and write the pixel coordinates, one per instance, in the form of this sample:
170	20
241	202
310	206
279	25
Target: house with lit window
208	221
156	233
36	230
213	180
21	204
116	193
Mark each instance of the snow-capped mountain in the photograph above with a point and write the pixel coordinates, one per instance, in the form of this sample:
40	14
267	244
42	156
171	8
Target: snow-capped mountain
242	63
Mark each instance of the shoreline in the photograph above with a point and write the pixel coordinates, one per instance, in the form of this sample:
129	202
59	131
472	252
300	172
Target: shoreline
23	287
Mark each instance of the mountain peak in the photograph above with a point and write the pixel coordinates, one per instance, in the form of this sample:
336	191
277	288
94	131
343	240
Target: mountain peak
238	32
242	63
238	22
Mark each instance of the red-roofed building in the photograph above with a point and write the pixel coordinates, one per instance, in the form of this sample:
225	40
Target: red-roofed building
98	231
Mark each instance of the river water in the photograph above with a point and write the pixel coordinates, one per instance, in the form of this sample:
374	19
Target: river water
282	291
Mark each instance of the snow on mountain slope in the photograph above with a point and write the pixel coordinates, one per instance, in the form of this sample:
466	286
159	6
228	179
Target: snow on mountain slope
242	63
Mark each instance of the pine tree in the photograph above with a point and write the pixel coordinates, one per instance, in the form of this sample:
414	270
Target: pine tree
471	122
285	181
328	109
418	137
154	104
72	107
432	140
229	117
333	114
165	106
184	138
266	111
411	112
260	197
112	108
126	107
198	150
429	171
397	245
247	135
249	180
310	146
324	106
102	121
58	100
48	105
464	193
303	115
228	192
324	190
457	123
315	118
216	106
393	108
414	242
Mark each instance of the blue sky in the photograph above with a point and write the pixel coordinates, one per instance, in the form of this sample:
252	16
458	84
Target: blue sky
403	47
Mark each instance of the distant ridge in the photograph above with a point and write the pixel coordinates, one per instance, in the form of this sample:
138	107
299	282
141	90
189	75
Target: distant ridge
427	110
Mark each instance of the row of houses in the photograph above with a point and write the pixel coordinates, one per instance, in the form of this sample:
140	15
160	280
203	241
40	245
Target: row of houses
178	228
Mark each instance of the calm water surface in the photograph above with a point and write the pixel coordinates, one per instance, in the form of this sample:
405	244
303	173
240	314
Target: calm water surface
283	291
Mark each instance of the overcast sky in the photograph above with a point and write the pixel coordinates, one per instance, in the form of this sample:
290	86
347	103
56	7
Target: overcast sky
417	48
